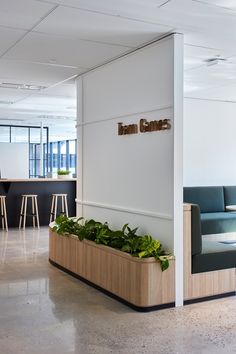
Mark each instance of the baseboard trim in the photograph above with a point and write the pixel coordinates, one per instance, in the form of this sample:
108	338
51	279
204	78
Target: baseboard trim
209	298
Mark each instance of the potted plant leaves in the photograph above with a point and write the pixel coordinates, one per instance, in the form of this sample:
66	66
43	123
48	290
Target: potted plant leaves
64	174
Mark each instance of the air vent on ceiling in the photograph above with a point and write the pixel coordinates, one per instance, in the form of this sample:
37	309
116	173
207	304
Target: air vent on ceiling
215	61
45	116
12	85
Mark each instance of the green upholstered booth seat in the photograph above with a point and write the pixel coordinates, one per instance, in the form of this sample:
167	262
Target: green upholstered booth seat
208	216
230	195
209	199
216	223
215	256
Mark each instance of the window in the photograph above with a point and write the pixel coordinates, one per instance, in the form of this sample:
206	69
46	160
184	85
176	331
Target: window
62	155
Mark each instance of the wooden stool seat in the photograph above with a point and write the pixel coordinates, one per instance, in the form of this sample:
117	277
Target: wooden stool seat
29	195
23	211
64	206
3	212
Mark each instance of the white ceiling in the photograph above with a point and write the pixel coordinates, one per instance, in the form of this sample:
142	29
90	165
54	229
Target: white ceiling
50	42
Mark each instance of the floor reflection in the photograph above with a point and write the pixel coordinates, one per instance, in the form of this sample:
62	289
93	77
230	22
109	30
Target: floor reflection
45	311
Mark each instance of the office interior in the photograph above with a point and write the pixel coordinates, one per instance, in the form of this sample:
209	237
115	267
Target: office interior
71	71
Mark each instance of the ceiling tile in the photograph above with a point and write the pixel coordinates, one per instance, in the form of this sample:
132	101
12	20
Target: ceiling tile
186	14
229	4
22	14
112	5
205	77
50	102
8	37
12	95
63	51
201	52
191	63
65	90
98	27
139	10
34	74
224	93
218	43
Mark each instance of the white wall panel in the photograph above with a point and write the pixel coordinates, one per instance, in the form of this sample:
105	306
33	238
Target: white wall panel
209	143
14	160
131	178
133	168
139	82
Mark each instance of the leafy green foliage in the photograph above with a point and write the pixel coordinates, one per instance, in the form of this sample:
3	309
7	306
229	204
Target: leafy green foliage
126	239
63	172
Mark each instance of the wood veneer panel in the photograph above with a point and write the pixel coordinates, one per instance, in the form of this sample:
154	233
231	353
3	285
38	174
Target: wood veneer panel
138	281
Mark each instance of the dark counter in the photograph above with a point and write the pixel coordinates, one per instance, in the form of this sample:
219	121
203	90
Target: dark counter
44	188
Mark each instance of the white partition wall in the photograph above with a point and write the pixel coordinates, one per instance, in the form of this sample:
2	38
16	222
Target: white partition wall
135	178
14	160
209	142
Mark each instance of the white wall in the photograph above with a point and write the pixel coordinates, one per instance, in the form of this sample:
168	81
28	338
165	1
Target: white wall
131	178
209	142
14	160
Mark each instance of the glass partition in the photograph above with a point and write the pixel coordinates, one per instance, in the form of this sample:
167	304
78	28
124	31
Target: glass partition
31	136
4	134
56	155
19	135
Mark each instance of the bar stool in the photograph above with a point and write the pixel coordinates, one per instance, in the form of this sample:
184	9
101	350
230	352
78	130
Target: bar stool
23	211
3	212
64	206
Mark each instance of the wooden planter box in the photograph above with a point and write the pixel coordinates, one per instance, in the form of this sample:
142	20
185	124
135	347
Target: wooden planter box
139	283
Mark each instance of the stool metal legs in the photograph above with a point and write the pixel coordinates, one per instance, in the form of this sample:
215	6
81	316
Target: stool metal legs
23	211
3	212
64	206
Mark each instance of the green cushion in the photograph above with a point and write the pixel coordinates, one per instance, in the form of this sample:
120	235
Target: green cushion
210	199
230	195
214	256
216	223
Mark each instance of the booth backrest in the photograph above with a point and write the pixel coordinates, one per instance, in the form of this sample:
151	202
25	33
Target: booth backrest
209	199
196	233
230	195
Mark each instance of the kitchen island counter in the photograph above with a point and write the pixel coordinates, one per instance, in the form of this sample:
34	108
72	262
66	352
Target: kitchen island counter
44	188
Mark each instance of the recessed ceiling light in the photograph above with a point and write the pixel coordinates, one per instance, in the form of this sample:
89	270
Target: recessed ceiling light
12	119
6	102
16	86
45	116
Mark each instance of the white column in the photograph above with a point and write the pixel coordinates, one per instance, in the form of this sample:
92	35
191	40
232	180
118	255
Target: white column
41	151
178	168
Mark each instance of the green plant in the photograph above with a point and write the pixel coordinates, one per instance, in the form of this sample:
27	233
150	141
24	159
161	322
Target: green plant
126	239
63	172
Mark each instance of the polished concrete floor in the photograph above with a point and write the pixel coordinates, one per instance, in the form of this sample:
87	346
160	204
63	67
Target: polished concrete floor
44	311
